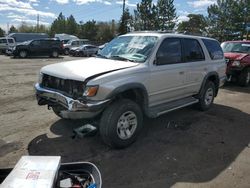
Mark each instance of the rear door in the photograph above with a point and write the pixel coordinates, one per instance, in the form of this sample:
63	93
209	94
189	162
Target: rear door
194	57
168	75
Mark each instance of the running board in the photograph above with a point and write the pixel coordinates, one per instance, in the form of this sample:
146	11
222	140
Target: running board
170	106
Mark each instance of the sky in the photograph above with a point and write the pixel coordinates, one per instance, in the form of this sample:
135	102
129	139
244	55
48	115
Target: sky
13	12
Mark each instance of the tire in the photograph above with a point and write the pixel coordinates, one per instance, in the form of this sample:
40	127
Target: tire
66	51
207	96
54	54
23	54
114	128
244	77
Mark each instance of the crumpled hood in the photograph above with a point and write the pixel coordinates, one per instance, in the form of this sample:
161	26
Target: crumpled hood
85	68
235	56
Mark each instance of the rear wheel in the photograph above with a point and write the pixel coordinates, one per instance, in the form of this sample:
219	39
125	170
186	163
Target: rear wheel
207	96
121	123
66	51
23	54
244	77
55	54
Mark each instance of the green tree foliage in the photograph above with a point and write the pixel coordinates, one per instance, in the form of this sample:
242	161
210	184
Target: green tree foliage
88	30
197	24
13	29
125	22
166	14
71	25
104	33
1	32
26	28
228	19
58	25
146	16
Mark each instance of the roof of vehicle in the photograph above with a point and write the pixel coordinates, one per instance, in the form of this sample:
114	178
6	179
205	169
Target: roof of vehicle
53	39
165	33
89	45
243	41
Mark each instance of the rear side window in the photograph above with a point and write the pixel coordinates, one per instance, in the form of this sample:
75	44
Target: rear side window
214	49
169	52
10	41
192	50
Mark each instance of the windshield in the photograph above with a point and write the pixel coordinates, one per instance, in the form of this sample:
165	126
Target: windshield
239	47
129	48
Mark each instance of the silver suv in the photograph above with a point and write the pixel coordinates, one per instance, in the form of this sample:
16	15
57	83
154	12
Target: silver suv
74	43
147	73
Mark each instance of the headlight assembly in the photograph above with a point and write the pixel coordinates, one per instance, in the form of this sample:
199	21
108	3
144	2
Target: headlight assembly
90	91
236	63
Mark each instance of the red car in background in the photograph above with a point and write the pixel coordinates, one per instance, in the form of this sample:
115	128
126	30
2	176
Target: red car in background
237	55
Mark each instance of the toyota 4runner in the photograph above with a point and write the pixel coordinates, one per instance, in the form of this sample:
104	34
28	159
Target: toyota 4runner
148	73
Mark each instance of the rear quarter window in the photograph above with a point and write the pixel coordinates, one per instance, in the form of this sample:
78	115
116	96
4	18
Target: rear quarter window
214	49
192	50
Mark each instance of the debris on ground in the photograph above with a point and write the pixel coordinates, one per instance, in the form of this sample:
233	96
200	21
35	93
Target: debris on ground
84	131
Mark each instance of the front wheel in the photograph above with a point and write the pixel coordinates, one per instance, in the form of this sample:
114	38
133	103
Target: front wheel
207	96
244	77
23	54
121	123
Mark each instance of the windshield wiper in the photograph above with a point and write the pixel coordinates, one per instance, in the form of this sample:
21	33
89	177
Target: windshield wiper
117	57
101	56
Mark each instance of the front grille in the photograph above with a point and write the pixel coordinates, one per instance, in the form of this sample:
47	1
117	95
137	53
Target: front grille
70	88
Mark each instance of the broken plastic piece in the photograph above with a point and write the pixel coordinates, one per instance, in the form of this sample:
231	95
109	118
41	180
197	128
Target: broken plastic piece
85	130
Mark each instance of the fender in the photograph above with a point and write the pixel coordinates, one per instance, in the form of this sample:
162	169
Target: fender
131	86
217	81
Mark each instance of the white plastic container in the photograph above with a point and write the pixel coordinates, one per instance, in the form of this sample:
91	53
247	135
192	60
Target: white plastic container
33	172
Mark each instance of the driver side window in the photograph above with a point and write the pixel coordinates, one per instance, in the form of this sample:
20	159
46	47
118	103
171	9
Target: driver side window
169	52
35	43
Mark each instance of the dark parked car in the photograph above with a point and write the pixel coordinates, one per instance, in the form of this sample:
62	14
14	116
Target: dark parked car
39	47
237	54
84	50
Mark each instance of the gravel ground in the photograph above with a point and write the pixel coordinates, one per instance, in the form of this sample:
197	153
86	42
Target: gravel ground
184	148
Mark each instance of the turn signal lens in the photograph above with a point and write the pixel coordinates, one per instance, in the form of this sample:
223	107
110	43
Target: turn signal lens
90	91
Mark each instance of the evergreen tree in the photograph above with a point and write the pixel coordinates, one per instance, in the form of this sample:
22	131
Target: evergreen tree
228	19
13	29
166	14
58	25
147	14
197	24
125	21
1	32
72	26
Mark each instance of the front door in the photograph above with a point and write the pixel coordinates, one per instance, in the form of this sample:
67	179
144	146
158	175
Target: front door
168	75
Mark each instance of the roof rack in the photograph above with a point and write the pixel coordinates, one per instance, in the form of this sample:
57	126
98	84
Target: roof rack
153	31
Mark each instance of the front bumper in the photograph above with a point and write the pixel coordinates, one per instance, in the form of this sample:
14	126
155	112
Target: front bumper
74	109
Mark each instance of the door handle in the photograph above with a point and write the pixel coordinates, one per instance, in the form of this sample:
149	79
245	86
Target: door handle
182	72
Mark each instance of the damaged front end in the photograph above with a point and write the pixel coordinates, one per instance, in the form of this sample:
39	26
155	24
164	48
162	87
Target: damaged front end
67	94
